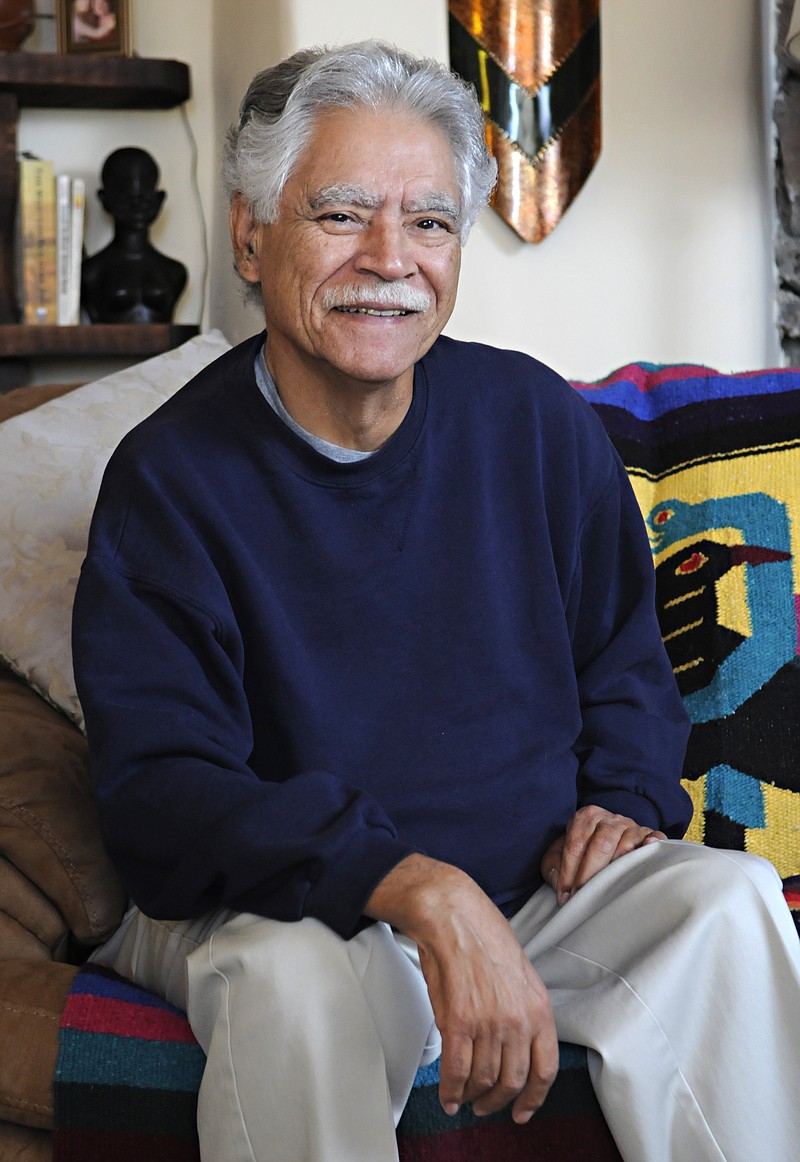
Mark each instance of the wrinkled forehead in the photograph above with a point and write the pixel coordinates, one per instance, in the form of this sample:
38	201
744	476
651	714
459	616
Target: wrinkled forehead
353	154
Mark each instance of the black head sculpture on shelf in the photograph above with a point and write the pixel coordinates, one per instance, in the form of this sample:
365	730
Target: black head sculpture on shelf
130	281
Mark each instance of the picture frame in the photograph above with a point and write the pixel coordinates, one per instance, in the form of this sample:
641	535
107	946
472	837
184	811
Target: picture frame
93	26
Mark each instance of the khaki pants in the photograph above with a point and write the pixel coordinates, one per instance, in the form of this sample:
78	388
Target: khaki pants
677	966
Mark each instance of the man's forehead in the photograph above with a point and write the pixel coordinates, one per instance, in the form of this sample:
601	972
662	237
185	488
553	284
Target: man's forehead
351	148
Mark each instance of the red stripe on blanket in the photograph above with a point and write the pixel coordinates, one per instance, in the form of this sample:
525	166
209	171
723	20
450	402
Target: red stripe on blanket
91	1146
104	1015
569	1139
645	377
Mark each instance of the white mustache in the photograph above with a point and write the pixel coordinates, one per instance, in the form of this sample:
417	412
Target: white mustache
398	295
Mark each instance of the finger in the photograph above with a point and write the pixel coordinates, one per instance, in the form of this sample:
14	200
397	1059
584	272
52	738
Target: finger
454	1071
551	862
603	847
571	850
527	1069
611	839
580	834
488	1088
516	1079
634	837
542	1074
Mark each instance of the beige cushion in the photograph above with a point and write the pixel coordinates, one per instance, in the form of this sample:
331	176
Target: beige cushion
32	997
51	462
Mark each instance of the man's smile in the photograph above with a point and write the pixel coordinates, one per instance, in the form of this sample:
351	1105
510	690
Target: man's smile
381	312
387	299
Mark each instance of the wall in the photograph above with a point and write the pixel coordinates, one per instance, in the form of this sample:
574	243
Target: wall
666	254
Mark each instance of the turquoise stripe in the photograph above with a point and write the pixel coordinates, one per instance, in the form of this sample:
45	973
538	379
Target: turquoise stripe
108	1059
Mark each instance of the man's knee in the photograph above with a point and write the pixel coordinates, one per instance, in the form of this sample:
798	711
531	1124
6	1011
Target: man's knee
274	957
719	880
257	976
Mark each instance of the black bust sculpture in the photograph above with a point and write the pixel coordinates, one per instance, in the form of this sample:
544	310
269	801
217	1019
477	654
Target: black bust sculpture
130	281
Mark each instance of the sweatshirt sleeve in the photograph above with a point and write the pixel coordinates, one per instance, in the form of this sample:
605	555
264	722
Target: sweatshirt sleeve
188	823
631	747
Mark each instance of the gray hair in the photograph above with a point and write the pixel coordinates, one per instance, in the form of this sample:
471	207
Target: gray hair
277	114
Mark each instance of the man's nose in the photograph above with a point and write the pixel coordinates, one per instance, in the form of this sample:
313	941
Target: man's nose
386	251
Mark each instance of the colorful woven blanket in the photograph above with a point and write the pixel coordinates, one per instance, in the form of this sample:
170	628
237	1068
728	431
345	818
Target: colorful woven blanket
715	463
127	1075
568	1128
129	1069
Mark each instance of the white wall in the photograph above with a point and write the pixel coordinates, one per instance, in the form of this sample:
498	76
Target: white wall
666	254
247	37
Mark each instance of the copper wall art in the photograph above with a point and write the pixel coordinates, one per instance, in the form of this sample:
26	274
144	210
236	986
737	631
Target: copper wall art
536	67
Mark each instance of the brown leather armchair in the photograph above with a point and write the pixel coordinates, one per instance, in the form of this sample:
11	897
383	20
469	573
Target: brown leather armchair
58	897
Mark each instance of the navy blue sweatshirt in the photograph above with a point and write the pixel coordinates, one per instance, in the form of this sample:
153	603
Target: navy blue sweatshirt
296	672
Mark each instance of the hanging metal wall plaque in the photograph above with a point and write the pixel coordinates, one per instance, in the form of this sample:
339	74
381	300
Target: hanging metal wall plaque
536	67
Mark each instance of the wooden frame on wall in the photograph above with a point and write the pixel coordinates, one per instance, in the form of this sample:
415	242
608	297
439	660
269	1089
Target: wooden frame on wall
93	26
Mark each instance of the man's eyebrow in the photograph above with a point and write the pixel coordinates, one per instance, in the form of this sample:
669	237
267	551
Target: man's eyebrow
344	195
433	203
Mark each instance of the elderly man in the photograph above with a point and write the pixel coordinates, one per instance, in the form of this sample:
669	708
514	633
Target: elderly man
385	741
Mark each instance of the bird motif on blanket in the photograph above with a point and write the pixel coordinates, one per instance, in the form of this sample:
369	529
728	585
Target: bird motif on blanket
725	592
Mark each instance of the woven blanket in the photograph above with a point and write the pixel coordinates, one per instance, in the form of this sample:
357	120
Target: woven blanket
715	463
568	1128
127	1075
713	460
129	1069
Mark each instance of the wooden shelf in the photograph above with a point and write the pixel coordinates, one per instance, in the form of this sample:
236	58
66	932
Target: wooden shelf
92	340
73	81
85	81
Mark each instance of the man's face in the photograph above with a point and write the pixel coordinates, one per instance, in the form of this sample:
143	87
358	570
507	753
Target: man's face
369	215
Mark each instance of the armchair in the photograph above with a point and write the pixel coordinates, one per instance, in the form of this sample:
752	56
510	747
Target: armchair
92	1067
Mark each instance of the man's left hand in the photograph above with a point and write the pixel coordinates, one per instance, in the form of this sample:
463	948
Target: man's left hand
594	838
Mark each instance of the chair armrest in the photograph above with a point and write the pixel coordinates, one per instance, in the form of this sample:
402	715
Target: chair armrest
48	824
32	998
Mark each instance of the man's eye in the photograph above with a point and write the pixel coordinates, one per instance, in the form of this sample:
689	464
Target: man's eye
434	225
338	216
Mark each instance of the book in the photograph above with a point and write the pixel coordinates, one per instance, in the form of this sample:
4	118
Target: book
64	246
70	203
37	211
76	242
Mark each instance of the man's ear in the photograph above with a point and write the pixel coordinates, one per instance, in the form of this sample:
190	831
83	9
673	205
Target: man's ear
245	237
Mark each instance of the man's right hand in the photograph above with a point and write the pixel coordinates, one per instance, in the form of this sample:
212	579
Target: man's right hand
499	1040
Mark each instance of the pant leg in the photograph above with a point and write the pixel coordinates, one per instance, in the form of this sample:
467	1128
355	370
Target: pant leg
312	1042
679	968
